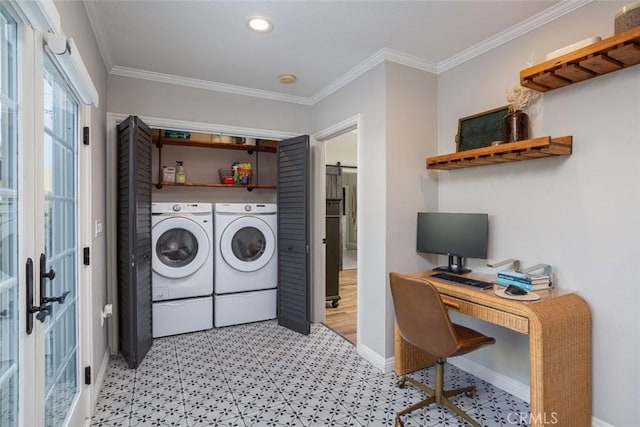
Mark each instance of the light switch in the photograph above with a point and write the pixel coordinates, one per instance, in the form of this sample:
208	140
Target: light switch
98	228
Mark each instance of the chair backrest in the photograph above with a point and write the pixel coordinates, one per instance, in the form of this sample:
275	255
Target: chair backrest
421	316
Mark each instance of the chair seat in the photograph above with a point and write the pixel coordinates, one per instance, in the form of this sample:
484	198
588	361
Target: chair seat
470	340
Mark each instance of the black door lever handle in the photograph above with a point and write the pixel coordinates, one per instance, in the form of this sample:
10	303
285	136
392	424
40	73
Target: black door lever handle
59	300
43	312
51	274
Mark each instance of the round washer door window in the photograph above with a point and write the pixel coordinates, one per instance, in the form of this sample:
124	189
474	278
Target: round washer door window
181	247
247	244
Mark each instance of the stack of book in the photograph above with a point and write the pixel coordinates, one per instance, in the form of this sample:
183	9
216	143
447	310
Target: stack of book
527	281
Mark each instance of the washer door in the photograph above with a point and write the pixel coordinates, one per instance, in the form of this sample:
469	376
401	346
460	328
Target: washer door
247	244
181	247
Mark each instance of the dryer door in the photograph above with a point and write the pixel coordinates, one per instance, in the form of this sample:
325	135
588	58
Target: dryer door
181	247
247	244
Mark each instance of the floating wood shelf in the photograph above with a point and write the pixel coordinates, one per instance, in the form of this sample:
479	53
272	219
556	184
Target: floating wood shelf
242	147
612	54
508	152
212	185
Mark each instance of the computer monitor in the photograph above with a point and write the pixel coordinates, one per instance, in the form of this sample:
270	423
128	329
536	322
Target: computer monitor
459	235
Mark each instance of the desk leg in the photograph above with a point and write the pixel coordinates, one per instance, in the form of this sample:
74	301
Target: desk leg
560	362
409	358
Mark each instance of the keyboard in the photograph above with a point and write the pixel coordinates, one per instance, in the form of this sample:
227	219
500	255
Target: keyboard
463	280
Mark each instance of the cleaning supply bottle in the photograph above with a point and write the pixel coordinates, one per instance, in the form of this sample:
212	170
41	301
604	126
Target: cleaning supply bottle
181	177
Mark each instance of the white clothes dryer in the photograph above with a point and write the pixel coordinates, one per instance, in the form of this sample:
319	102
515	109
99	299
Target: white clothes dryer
246	268
182	267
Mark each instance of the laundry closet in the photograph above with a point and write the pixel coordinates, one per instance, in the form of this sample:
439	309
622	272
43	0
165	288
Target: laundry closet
213	220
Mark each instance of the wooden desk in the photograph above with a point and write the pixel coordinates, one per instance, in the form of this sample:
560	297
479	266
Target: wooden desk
559	329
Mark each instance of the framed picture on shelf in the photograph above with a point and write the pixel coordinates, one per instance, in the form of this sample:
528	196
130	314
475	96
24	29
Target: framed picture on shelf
480	130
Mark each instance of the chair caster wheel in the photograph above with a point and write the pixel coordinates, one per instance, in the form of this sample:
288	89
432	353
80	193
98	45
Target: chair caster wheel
470	393
399	423
402	383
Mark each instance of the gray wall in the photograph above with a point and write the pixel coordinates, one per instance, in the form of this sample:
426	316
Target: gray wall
579	214
75	24
398	115
148	98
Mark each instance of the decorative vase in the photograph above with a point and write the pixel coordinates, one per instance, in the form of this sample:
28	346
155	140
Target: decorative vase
515	126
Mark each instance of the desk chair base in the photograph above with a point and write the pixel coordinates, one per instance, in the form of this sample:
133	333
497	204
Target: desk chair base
437	395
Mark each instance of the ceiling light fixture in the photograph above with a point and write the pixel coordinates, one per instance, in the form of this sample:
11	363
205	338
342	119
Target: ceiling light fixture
287	79
259	24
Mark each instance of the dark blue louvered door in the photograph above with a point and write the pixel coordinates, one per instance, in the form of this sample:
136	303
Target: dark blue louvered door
294	296
134	240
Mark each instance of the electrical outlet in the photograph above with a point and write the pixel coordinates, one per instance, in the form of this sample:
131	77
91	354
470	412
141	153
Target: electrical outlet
98	228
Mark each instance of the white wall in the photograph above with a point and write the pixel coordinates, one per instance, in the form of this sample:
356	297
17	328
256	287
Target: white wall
397	129
343	148
75	24
579	213
411	137
364	96
148	98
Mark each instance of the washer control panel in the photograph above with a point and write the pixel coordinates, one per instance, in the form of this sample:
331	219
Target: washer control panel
176	207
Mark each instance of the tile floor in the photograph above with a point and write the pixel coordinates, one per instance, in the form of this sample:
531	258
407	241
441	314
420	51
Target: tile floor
261	374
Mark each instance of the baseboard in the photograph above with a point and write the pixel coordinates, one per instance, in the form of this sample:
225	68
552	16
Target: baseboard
497	379
385	365
99	380
595	422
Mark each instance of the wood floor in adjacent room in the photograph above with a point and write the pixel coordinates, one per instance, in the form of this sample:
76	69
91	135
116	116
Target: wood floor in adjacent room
343	318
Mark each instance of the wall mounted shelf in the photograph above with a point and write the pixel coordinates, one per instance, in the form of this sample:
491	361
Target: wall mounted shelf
260	145
211	185
205	141
509	152
611	54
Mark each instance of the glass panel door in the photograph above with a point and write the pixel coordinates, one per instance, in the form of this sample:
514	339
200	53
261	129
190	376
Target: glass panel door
8	224
61	248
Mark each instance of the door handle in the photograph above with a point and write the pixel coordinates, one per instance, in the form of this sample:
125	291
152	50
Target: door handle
51	274
59	300
42	310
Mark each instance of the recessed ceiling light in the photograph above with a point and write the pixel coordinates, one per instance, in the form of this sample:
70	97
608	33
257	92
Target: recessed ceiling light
259	24
287	78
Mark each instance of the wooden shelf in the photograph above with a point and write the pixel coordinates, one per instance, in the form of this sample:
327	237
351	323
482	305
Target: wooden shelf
611	54
227	146
212	185
509	152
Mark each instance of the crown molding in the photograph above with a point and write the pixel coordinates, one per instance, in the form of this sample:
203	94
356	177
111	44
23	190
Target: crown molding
530	24
385	54
375	59
205	84
100	33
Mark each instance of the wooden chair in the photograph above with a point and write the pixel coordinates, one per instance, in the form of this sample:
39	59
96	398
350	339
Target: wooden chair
423	321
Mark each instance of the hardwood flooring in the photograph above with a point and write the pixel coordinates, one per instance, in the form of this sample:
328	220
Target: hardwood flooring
343	318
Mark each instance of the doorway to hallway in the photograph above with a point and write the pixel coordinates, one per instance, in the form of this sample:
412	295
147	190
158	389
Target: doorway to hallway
341	239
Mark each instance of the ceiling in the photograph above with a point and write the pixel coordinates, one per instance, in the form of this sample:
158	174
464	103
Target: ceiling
324	43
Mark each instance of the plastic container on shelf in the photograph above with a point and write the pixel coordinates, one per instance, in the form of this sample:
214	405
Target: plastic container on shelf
181	177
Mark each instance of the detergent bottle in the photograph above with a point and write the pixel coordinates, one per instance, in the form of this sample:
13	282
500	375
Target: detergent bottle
181	177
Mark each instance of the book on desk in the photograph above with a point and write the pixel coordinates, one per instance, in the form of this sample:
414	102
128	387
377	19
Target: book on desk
526	281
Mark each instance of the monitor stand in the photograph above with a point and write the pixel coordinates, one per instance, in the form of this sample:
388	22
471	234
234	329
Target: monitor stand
454	267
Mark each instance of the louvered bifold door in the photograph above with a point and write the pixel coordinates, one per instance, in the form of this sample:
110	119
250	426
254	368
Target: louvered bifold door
134	240
293	234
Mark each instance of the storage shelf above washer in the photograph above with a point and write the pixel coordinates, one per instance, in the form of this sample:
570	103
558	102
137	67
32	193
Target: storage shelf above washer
213	185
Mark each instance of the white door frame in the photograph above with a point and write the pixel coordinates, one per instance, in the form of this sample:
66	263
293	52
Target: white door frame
318	209
31	240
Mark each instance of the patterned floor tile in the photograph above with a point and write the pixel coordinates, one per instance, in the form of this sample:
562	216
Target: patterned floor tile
261	374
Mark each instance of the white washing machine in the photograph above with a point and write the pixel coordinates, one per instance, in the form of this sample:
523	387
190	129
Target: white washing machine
182	267
246	263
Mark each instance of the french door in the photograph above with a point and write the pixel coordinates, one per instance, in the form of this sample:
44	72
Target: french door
40	313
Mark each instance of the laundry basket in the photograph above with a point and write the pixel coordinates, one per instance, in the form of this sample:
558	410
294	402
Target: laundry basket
226	176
